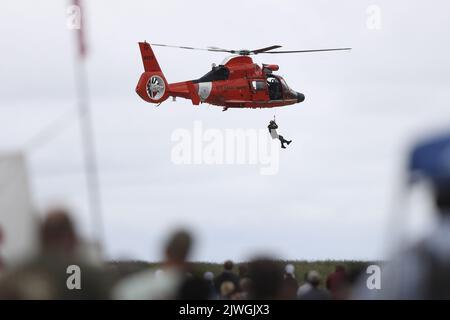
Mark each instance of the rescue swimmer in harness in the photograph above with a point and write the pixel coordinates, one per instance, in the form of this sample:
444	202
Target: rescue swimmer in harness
273	132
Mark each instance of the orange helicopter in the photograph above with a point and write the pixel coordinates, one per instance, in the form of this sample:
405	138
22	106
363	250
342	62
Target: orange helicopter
236	83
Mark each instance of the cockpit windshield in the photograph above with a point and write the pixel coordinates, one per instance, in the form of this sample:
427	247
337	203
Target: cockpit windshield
277	87
285	84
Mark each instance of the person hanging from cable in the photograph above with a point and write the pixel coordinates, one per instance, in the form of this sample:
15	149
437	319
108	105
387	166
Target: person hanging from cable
273	132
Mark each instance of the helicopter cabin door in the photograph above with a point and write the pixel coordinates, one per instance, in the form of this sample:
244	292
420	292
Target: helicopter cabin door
258	90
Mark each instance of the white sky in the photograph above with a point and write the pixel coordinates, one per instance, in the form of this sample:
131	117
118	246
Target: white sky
332	196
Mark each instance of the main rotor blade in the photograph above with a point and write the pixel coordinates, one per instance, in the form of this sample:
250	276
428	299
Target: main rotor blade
191	48
256	51
218	49
304	51
249	52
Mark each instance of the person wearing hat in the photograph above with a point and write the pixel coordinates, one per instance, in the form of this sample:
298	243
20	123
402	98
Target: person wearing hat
290	284
315	293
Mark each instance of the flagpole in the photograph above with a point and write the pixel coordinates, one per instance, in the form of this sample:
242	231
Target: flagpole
87	135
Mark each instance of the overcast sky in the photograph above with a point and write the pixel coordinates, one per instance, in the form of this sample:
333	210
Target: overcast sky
332	196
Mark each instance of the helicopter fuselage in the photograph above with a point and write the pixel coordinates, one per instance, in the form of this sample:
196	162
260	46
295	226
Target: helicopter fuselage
237	83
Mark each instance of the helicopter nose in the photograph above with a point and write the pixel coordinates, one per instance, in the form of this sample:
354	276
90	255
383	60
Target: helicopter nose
300	97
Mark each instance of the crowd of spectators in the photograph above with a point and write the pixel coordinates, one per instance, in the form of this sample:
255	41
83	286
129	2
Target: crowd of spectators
45	275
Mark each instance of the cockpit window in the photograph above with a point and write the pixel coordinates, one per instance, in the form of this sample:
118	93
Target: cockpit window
275	90
216	74
285	83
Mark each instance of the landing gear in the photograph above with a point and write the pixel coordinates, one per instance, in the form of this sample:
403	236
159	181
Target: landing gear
224	109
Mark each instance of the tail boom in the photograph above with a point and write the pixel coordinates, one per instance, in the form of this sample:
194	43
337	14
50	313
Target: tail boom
153	86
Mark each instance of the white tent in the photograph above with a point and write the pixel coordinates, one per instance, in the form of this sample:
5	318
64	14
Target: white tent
16	213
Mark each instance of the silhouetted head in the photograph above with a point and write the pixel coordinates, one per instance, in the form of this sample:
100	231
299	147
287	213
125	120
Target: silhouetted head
228	265
289	269
314	278
57	232
178	247
267	279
